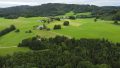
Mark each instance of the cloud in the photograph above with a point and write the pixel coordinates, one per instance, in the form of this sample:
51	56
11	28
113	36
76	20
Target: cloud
8	3
19	3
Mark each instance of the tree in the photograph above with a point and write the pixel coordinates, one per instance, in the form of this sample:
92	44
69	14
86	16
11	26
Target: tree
72	17
56	52
29	31
117	16
11	17
115	22
95	20
12	27
58	19
17	30
57	27
85	64
66	23
7	30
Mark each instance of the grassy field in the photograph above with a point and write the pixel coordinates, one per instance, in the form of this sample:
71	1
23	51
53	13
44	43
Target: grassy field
87	28
71	13
79	28
10	40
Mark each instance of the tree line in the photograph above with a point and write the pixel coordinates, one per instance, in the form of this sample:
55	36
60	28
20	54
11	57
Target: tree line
55	9
7	30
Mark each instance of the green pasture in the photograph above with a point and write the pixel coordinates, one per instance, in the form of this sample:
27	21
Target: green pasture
79	28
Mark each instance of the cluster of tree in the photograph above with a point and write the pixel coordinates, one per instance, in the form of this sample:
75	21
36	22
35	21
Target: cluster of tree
11	17
62	52
7	30
55	18
107	13
66	23
72	17
84	16
57	27
38	43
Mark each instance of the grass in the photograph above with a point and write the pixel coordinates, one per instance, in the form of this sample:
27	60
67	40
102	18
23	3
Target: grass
87	13
91	29
71	13
79	28
10	51
13	39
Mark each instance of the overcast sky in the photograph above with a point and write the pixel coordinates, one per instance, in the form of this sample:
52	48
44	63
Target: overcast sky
9	3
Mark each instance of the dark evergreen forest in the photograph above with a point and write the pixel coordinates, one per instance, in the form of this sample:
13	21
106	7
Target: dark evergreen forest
62	52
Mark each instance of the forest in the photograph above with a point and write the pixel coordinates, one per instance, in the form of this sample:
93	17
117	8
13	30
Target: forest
55	9
62	52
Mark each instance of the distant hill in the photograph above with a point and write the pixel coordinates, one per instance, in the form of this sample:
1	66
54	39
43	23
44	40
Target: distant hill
50	9
53	9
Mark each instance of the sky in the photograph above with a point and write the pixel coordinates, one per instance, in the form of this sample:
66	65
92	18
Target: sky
9	3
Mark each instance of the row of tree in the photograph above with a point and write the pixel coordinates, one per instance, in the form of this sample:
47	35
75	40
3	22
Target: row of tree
7	30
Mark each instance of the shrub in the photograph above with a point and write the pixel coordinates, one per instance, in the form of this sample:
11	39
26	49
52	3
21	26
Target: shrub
57	27
66	23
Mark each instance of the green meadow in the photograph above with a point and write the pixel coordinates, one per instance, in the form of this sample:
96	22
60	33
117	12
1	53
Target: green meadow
79	28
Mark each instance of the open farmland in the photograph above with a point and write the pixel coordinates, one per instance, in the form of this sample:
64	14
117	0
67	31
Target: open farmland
79	28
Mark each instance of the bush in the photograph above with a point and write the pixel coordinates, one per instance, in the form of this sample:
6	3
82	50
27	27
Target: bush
66	23
57	27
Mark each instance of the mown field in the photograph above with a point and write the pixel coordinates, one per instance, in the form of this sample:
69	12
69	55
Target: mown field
79	28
